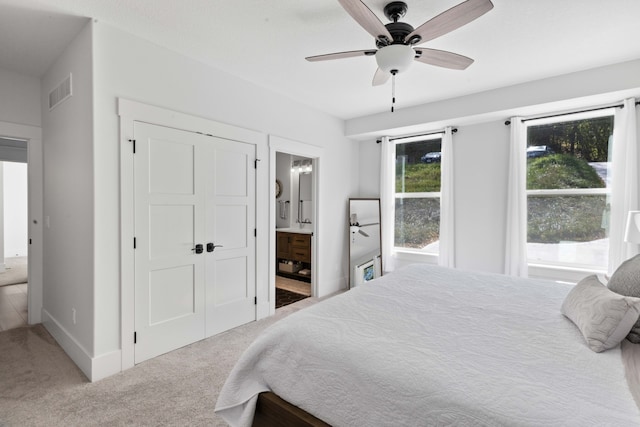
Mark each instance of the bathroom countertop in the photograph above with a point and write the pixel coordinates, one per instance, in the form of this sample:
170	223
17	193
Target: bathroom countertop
295	230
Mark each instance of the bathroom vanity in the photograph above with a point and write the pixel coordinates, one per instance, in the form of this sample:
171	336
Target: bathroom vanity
293	253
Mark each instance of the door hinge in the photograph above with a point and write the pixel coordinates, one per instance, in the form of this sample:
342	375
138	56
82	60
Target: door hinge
255	232
134	243
133	141
135	337
255	300
29	241
255	163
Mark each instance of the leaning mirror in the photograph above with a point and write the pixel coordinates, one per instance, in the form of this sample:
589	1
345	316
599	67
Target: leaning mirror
365	255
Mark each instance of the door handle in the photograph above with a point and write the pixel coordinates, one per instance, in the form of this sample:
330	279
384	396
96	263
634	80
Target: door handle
211	247
198	249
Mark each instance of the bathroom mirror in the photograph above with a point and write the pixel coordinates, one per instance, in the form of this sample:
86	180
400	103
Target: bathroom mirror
365	254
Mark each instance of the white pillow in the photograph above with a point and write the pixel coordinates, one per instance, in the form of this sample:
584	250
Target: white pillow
603	317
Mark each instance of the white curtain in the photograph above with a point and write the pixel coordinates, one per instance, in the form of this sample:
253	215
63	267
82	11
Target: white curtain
446	257
515	260
387	202
624	182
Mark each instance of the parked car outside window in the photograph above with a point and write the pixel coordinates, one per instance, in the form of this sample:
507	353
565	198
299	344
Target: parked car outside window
433	157
538	151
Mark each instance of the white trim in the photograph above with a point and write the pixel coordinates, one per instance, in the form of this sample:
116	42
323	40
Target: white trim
73	348
564	273
95	368
33	136
427	195
283	145
571	192
131	111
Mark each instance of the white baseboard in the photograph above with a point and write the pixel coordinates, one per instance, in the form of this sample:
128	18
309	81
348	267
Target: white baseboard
3	268
106	365
95	368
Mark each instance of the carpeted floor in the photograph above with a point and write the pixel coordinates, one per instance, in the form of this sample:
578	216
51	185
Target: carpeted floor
16	271
40	385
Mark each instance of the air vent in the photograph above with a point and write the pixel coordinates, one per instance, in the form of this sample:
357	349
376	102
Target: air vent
60	93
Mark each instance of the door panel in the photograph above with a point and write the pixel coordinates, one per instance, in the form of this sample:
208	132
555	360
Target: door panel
231	201
169	221
231	270
171	294
231	226
171	166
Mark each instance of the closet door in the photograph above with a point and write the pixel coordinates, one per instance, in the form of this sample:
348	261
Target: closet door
195	260
230	224
170	209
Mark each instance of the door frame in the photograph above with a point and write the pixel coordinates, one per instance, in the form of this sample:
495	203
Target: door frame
283	145
132	111
35	189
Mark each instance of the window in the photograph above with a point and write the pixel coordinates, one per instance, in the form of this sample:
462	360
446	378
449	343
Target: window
417	193
568	189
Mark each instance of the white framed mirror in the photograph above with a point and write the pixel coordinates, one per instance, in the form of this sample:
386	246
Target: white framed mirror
365	254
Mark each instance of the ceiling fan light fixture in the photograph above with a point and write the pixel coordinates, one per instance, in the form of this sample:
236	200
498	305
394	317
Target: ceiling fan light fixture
398	57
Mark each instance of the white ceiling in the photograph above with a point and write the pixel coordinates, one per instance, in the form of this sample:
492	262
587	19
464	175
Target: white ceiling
266	41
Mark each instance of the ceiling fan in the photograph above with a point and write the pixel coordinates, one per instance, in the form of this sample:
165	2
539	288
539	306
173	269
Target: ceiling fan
396	40
356	227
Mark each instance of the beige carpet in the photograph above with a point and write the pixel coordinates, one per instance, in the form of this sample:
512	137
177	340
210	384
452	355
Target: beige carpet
16	271
40	385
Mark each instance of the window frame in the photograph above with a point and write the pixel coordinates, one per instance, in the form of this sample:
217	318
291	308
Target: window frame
606	191
413	252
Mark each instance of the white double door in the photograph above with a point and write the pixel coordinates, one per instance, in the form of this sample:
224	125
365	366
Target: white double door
194	237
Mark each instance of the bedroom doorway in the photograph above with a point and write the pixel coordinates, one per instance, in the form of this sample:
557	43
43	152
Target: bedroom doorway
14	235
21	149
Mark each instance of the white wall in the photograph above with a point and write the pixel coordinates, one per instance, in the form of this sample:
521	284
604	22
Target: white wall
129	67
481	147
19	98
68	201
15	209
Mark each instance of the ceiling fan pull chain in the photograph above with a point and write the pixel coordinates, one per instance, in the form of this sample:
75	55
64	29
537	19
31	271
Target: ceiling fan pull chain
393	89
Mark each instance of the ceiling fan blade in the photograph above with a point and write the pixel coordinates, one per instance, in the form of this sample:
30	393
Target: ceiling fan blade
380	77
363	233
451	19
340	55
366	18
442	58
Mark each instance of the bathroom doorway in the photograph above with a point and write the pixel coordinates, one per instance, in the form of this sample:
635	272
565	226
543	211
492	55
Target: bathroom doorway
295	213
294	263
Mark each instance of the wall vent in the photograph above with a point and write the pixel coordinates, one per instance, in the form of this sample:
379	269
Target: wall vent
60	93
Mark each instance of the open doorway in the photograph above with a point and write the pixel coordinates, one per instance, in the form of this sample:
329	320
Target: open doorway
294	228
13	233
23	144
295	225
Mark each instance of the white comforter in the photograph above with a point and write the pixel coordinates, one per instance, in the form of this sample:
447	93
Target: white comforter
434	346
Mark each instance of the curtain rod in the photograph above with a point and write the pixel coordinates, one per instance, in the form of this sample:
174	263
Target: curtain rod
454	130
508	122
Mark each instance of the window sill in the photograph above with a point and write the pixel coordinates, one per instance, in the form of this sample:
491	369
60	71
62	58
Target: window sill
562	273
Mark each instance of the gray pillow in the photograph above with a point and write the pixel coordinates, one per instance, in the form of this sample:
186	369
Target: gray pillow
603	317
626	281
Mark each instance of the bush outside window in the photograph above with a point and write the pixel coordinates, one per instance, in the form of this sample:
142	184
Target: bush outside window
417	193
568	189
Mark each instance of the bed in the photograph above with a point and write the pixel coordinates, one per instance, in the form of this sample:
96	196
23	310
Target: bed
427	345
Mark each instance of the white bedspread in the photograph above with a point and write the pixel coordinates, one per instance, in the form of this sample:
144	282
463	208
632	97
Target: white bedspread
434	346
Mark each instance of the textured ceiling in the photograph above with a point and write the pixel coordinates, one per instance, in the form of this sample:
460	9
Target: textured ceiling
265	42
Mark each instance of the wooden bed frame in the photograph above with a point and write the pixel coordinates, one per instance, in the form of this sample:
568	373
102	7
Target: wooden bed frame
273	411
